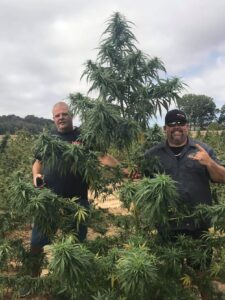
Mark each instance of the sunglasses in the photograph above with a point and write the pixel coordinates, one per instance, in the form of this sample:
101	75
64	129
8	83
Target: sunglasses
176	123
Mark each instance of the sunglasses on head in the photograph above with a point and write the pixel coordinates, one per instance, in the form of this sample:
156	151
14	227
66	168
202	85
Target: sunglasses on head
176	123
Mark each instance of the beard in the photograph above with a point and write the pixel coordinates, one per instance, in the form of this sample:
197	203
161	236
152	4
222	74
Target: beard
177	137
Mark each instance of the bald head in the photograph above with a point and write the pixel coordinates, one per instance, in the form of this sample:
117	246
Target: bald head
62	117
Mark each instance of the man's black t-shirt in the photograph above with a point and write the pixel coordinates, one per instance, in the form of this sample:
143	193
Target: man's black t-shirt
69	185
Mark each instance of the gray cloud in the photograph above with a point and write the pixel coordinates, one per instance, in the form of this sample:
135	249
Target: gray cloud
44	44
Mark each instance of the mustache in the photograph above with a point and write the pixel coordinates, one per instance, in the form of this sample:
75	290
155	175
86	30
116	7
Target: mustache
177	129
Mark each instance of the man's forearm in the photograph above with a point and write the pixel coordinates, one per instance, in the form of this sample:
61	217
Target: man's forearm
36	170
216	172
108	160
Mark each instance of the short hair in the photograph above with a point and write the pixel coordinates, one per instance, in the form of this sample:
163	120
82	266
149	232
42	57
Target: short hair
62	103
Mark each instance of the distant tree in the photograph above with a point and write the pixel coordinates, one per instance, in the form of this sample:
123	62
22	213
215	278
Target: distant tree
127	78
3	143
214	126
200	110
221	119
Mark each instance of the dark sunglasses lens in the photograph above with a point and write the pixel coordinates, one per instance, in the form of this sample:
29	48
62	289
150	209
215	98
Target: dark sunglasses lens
173	124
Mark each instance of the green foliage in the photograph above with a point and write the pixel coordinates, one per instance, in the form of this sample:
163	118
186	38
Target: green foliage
104	118
44	207
102	245
134	158
136	272
126	194
104	127
215	126
70	265
221	119
157	199
106	295
109	260
4	143
64	157
153	136
215	213
29	203
16	156
5	254
50	150
20	193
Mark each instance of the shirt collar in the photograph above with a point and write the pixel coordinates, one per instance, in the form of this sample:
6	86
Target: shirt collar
190	143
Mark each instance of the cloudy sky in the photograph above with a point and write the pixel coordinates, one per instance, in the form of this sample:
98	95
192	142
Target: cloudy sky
45	43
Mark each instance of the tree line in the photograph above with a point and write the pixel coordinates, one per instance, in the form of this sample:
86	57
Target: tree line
11	124
201	111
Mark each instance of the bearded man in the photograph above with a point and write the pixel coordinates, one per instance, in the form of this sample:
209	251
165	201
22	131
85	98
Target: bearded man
192	165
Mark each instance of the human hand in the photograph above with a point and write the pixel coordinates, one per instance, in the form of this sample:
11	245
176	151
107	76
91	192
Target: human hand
134	174
76	143
201	156
39	181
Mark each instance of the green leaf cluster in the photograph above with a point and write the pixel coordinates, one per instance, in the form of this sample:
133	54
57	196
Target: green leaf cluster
69	266
136	272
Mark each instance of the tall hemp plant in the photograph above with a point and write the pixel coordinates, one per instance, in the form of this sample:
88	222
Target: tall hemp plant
128	85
